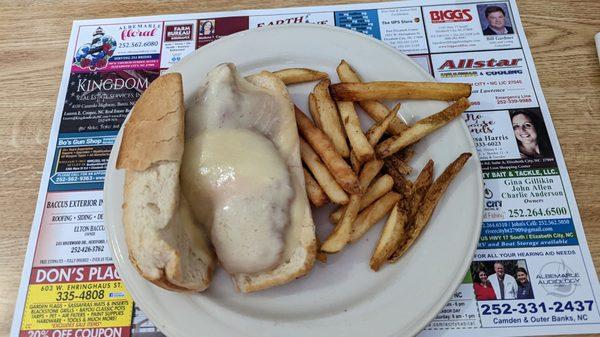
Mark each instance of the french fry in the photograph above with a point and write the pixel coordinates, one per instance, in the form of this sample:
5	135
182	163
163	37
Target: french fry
399	164
315	193
428	204
421	129
299	75
329	118
341	233
374	135
314	111
324	178
322	145
359	144
399	90
372	214
375	191
401	184
368	172
376	110
406	154
378	129
390	236
420	188
321	256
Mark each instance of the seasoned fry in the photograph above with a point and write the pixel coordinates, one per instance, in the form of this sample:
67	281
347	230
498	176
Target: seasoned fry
376	110
315	193
369	171
314	111
361	147
299	75
354	162
390	236
372	214
399	90
327	182
406	154
420	188
401	184
399	164
329	118
322	145
321	256
378	129
341	233
421	129
429	202
375	191
374	135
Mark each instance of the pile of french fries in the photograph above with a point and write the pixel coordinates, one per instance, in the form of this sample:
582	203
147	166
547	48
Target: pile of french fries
366	173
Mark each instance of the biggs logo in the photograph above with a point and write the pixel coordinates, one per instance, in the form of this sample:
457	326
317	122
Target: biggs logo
451	15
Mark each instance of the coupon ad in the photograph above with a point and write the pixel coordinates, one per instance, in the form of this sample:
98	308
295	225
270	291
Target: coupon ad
500	79
131	46
469	27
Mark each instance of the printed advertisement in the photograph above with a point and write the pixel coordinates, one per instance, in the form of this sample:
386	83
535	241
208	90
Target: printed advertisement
470	27
179	40
274	20
532	272
402	28
500	78
130	46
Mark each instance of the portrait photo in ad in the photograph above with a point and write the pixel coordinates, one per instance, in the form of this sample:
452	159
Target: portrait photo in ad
531	133
501	280
495	19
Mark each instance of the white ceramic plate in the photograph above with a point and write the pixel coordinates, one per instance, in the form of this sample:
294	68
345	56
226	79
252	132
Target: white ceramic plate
343	297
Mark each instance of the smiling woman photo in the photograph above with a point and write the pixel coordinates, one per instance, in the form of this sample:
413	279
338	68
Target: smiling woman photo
483	288
531	134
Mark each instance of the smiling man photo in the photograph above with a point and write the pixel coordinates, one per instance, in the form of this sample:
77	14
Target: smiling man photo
496	19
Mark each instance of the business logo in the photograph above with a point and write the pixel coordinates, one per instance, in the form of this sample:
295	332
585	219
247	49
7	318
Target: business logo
451	15
488	194
467	64
490	203
95	55
206	27
178	33
478	124
558	279
138	30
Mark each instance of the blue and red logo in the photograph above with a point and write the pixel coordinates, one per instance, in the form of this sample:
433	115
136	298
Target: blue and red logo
95	55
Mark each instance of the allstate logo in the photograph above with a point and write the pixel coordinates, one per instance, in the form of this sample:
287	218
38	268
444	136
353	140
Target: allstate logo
95	55
558	279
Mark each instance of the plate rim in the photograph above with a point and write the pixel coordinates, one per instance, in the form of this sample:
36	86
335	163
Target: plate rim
119	257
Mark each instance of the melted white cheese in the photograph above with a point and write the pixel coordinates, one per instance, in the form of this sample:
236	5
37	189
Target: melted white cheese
234	176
